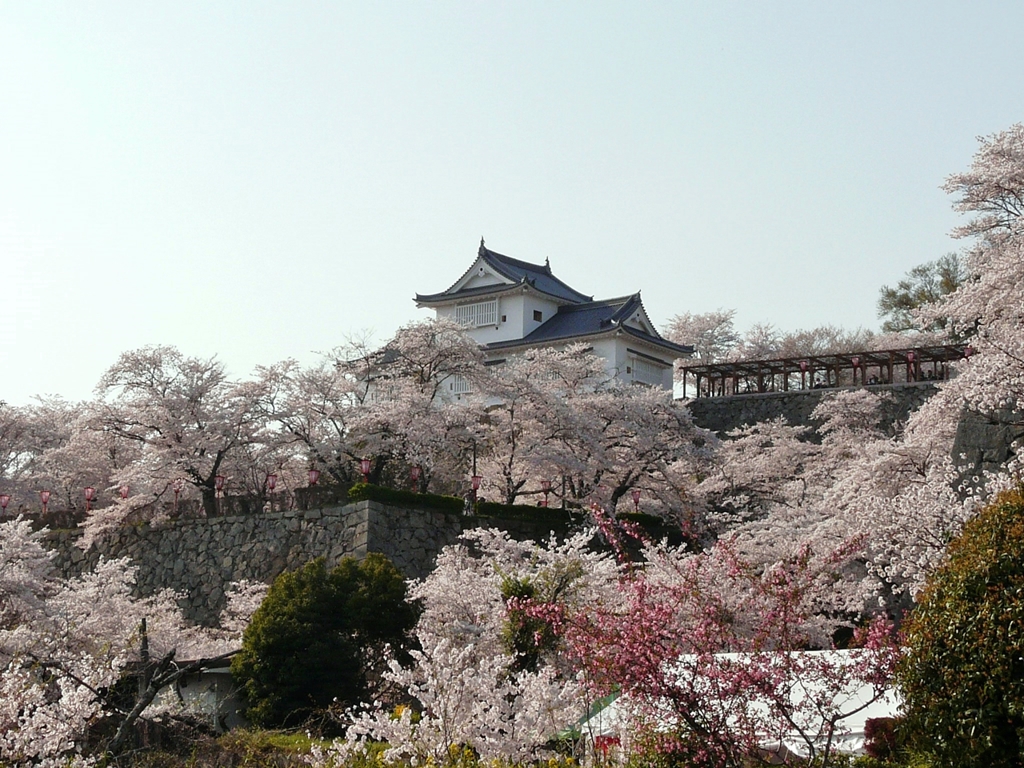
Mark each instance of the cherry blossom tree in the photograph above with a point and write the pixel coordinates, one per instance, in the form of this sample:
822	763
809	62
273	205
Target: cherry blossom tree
391	404
471	691
532	412
758	468
16	450
986	308
65	644
639	438
417	414
312	409
711	334
557	414
185	415
670	647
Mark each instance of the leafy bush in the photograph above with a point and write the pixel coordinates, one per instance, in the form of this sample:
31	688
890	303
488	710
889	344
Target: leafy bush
963	675
318	637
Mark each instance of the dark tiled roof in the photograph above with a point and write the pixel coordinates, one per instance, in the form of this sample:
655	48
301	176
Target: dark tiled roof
589	319
520	273
539	276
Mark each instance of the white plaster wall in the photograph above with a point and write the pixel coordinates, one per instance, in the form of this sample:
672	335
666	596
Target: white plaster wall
481	281
614	353
530	303
517	309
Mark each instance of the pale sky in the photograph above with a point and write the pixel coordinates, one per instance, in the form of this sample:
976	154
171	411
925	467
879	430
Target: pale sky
256	181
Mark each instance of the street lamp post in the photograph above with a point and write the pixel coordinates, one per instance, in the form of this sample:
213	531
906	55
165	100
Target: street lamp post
44	496
90	494
364	470
475	481
545	486
414	474
271	485
218	484
176	486
636	500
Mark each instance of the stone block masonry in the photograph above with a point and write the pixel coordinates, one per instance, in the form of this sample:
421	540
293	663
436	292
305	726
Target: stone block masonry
201	557
723	414
983	443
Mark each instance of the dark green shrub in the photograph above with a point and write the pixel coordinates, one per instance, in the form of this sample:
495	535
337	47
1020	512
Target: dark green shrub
318	637
399	498
541	515
963	676
880	737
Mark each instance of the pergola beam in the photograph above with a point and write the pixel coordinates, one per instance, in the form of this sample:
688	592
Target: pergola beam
713	379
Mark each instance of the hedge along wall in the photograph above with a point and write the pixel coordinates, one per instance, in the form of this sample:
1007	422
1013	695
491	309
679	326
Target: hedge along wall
201	557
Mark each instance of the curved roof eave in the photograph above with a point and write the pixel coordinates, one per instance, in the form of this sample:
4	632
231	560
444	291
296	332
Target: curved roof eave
487	290
678	349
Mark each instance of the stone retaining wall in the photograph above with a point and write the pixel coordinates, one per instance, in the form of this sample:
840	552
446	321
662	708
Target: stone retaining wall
722	414
201	557
986	443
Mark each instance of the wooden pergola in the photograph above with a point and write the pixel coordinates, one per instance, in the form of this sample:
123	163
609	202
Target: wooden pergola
888	366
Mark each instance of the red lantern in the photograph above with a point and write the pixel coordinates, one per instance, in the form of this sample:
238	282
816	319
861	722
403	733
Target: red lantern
271	482
44	496
218	483
4	501
414	474
314	477
364	469
90	494
545	487
803	366
636	499
124	492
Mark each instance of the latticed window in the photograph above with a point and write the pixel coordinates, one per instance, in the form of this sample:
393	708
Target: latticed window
646	372
475	315
459	385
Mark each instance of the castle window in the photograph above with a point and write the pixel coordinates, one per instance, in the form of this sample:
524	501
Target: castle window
645	371
476	315
459	385
538	316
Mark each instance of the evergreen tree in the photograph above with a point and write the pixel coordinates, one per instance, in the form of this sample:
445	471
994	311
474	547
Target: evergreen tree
963	675
318	637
